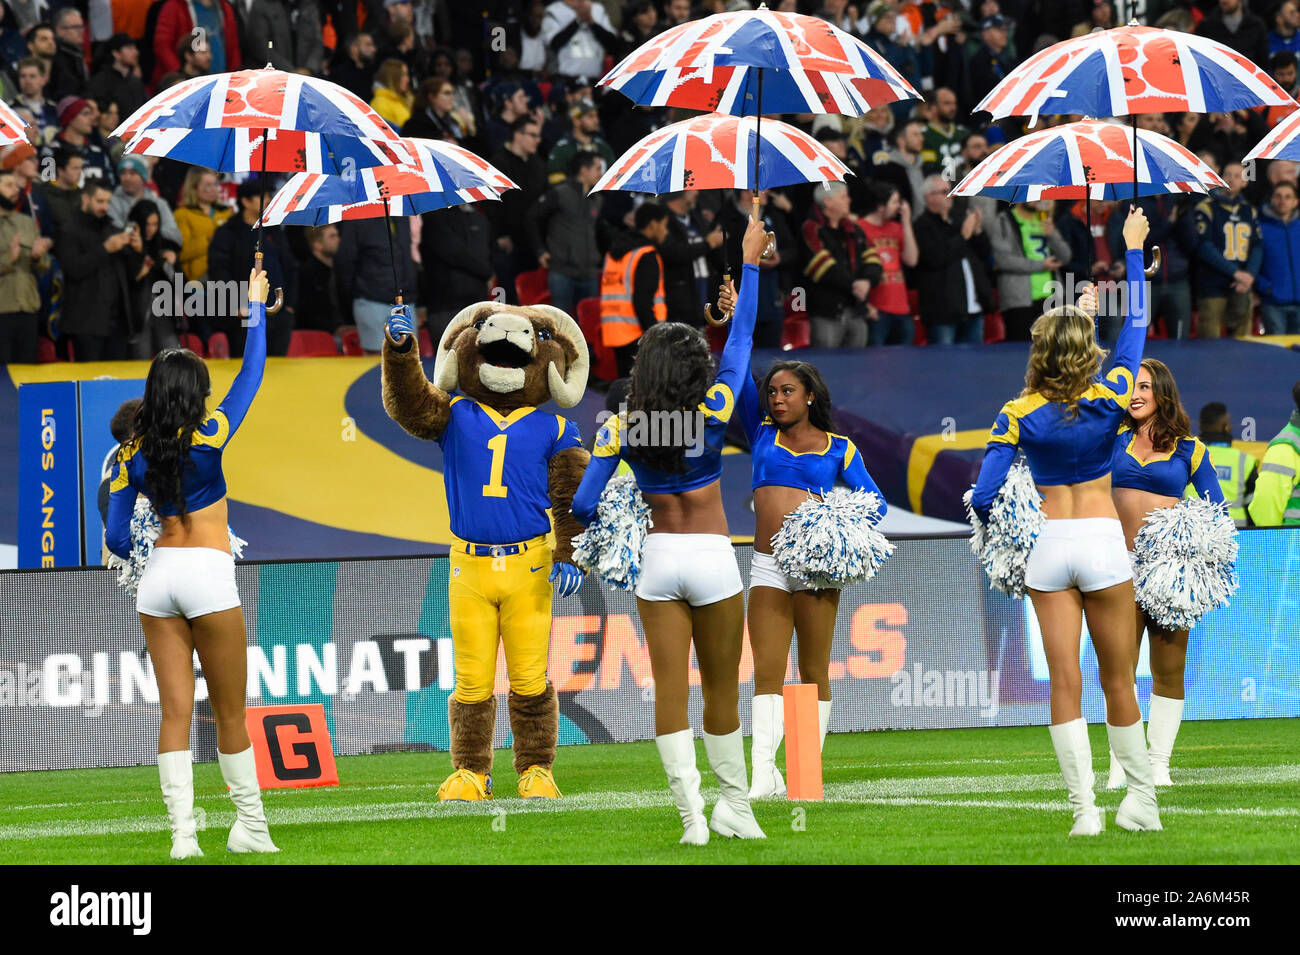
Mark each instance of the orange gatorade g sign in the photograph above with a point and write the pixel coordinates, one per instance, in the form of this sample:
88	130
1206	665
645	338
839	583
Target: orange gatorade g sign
292	746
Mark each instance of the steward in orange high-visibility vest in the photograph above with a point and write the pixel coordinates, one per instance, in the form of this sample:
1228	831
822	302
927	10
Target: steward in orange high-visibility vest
632	284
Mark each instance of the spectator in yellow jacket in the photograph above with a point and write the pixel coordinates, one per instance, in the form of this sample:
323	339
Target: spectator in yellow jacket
1277	489
198	217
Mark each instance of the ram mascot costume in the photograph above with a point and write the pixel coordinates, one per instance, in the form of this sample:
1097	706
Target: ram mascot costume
504	463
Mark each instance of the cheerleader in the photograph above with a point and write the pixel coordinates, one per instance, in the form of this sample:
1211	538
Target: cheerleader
187	597
795	453
1065	422
689	590
1155	458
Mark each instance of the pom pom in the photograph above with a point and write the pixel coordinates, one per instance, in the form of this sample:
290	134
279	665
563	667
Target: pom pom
1016	519
612	546
1184	562
834	541
145	528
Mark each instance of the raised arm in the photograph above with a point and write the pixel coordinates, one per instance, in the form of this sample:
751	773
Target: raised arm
748	403
1133	336
853	472
733	369
419	406
234	407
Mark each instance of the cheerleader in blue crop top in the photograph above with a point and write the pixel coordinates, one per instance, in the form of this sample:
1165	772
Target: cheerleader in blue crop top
187	598
795	453
689	590
1065	422
1154	459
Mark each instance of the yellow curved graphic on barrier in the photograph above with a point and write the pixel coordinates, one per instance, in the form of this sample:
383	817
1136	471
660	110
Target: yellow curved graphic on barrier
298	452
926	448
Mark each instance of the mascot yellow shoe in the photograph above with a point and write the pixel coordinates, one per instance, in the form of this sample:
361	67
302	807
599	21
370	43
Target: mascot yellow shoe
538	783
466	786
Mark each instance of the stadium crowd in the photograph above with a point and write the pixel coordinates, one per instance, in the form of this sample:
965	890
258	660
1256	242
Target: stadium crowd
887	258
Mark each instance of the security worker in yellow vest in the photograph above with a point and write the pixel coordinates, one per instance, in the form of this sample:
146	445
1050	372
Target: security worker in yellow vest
1237	470
632	285
1277	491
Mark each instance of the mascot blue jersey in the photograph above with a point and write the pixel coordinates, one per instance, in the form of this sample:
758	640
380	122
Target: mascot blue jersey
496	493
202	481
1062	448
1166	474
717	407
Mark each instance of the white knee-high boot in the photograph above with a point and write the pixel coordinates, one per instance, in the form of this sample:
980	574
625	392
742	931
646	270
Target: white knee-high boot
249	833
1138	809
769	729
1115	779
732	815
824	717
1074	753
176	773
677	752
1163	720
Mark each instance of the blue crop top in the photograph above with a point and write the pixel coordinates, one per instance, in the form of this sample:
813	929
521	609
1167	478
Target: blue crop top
1061	449
1166	474
716	408
203	482
815	471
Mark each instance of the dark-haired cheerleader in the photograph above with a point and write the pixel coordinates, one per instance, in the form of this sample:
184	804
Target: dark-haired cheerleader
689	591
187	597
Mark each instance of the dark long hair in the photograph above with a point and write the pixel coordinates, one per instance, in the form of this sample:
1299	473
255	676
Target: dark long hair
1169	421
174	405
819	412
672	372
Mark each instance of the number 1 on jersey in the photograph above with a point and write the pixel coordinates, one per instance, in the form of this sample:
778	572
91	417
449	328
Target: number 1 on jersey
494	487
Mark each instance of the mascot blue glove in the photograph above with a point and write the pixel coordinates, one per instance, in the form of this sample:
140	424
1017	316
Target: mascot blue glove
569	576
401	322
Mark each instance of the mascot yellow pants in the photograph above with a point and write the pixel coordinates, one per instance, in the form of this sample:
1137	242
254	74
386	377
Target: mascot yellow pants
500	600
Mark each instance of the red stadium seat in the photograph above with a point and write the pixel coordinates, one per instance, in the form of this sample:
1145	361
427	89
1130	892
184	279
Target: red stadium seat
193	343
918	336
604	365
218	345
306	343
796	333
532	288
426	343
351	340
717	335
995	330
45	352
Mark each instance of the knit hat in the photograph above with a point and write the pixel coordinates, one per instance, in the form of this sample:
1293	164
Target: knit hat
70	108
12	155
135	164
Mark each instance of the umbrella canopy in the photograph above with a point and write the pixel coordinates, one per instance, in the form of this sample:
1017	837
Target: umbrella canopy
716	152
457	163
806	65
1133	69
11	127
315	199
287	150
1090	159
223	111
1282	141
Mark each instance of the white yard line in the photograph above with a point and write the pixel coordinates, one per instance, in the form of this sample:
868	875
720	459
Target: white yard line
883	792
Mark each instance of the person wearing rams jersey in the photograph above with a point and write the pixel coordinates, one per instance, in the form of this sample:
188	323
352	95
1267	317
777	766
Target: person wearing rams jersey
187	597
1230	252
1155	458
689	590
1065	422
795	453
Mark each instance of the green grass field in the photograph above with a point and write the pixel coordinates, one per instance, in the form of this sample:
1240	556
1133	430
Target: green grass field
939	796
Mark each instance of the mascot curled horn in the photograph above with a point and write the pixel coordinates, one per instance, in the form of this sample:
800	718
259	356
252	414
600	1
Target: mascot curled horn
504	464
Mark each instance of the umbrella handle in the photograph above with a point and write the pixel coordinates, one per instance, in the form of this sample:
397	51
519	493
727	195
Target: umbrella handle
279	292
724	317
770	249
1153	269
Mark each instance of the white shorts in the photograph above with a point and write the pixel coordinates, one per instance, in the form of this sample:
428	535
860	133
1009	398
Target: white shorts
1088	553
187	582
765	572
1133	563
700	569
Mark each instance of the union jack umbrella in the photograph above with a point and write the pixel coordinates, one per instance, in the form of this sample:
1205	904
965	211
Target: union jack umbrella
715	152
1282	141
732	62
1090	159
11	127
287	150
1133	69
